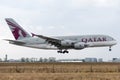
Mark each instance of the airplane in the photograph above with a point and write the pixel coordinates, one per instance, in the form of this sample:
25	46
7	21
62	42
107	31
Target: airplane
60	43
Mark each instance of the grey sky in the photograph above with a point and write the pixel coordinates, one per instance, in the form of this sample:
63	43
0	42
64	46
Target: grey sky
61	17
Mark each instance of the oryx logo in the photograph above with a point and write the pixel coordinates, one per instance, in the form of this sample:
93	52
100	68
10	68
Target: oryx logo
17	31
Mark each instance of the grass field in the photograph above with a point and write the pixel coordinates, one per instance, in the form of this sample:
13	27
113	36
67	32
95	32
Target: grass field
59	71
60	76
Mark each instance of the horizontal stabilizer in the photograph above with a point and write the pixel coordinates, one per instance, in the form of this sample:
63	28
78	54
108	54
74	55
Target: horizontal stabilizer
15	42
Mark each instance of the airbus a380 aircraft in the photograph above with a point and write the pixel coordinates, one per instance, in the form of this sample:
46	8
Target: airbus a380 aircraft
60	43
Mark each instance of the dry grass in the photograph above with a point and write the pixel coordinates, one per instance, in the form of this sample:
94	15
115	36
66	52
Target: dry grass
59	76
59	67
59	71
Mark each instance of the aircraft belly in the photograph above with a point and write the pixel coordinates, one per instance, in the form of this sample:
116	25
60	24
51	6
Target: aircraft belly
100	44
91	44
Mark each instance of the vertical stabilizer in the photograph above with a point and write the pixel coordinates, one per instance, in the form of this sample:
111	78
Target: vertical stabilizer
17	31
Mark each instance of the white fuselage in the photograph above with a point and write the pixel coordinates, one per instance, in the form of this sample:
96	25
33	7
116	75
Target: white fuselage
62	43
91	40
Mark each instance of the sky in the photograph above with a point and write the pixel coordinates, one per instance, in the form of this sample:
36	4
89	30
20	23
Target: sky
58	18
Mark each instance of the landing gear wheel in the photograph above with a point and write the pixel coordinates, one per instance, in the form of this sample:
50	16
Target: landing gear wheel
110	48
59	51
65	51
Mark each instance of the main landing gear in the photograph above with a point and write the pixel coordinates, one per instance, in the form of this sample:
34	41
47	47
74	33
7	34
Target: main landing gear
65	51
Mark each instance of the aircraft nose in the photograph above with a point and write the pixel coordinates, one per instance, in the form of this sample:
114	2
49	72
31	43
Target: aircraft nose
115	42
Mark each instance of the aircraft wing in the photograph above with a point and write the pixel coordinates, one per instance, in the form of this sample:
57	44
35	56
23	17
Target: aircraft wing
52	41
15	42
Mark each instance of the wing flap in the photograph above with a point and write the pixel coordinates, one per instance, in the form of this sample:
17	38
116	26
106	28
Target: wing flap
52	41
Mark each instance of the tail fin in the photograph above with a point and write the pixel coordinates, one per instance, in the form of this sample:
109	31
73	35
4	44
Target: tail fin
17	31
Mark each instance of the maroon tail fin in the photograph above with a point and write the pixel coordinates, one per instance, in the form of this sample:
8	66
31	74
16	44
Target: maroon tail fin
17	31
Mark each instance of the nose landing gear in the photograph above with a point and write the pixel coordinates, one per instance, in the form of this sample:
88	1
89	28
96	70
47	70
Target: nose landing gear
110	48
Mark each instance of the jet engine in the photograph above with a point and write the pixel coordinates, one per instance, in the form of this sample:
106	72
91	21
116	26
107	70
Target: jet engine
80	45
67	43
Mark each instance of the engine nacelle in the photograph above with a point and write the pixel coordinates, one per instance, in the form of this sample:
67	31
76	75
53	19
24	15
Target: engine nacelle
80	45
67	43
